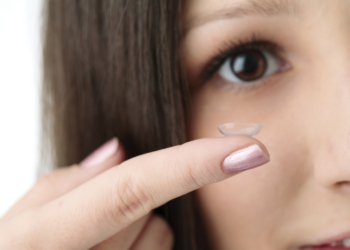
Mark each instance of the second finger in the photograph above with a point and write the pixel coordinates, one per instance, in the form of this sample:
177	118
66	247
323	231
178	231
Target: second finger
63	180
125	238
157	235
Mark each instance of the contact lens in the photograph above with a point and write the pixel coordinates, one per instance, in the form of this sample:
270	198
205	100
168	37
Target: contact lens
240	128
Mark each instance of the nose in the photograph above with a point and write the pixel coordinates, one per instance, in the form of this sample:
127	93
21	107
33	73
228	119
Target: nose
332	164
331	159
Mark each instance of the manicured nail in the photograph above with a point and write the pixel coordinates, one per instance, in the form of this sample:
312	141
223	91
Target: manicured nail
244	159
101	154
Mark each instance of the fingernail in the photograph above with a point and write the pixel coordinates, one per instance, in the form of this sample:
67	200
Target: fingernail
243	159
101	154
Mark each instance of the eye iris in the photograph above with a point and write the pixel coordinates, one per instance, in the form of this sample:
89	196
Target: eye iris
249	65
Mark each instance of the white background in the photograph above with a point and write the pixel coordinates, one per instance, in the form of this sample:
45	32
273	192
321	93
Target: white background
20	76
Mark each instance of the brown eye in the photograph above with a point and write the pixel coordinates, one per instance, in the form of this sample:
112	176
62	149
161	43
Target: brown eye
249	65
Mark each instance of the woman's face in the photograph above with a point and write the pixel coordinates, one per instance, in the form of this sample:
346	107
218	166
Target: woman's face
286	65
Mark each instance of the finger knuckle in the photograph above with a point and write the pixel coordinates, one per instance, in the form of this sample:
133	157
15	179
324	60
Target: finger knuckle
57	182
46	182
130	200
188	165
194	167
164	235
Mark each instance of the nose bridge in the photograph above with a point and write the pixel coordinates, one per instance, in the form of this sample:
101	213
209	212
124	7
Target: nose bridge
332	112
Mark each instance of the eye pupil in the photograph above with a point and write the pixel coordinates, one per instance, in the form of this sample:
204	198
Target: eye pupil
249	65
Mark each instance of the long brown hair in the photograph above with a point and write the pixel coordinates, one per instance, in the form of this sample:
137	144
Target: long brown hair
113	68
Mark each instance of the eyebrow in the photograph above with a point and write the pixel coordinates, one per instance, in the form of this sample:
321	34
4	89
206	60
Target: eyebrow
252	7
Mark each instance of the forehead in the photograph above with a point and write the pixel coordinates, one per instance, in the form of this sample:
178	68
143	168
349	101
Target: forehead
199	12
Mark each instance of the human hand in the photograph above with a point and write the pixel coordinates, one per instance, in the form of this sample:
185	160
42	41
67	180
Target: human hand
109	206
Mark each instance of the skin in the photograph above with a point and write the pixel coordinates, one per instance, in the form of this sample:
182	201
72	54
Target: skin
109	205
302	195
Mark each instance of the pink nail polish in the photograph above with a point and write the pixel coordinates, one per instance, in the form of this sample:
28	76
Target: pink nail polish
101	154
244	159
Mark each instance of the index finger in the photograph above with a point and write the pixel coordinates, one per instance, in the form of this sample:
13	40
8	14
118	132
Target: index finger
113	200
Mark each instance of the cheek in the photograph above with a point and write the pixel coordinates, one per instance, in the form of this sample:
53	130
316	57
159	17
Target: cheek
258	200
216	103
254	204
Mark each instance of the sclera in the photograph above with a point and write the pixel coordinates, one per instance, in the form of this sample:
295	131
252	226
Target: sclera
240	128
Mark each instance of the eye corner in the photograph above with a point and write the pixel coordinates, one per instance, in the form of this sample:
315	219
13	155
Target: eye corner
210	69
285	66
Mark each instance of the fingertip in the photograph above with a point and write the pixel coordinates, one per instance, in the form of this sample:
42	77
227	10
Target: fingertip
235	154
114	160
248	140
262	147
117	158
102	154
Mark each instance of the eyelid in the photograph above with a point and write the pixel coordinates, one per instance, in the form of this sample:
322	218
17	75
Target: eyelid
233	47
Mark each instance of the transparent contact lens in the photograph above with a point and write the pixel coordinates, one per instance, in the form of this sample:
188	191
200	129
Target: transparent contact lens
240	128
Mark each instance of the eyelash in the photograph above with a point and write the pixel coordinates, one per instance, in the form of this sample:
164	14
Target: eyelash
232	48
